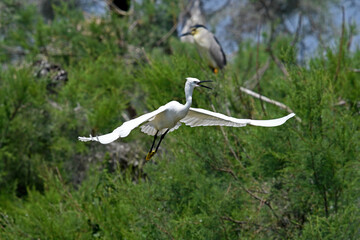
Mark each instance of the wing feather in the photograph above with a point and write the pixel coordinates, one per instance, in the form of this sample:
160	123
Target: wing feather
124	130
149	129
201	117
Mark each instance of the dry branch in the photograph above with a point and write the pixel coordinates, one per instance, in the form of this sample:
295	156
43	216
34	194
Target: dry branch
255	79
167	35
278	63
266	99
341	44
227	141
297	32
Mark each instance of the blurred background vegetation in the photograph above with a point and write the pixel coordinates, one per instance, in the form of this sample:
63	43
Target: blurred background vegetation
66	73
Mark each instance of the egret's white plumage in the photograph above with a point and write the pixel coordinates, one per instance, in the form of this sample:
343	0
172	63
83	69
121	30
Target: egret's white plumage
169	117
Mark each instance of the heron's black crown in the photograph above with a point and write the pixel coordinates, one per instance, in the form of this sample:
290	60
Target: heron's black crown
198	26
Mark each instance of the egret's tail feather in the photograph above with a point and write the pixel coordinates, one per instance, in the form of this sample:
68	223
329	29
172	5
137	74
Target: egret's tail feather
87	139
103	139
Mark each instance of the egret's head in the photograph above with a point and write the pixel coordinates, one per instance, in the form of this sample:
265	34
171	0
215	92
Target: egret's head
195	30
194	82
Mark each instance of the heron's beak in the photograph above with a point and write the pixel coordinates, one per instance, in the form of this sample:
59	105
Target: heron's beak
199	84
185	34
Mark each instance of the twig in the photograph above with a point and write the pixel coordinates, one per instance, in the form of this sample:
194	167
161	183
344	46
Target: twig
167	35
146	56
314	28
338	65
163	230
255	79
77	206
153	215
257	67
14	50
227	141
351	35
297	32
227	170
271	53
340	103
233	220
262	201
278	62
266	99
227	218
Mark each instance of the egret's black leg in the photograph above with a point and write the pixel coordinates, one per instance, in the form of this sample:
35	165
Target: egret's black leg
162	137
153	143
151	152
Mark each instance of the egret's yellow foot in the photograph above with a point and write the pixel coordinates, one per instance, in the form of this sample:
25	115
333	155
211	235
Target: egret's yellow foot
149	155
216	70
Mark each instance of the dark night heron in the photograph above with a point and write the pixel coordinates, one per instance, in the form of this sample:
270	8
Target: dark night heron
169	117
208	47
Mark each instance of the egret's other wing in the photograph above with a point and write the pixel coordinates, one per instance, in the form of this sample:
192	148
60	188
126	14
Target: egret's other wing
124	129
201	117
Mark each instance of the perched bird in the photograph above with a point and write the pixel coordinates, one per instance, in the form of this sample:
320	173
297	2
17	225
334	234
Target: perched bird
208	47
169	117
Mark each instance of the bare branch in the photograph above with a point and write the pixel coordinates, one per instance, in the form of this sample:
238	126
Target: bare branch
278	62
257	66
227	141
167	35
227	170
234	221
266	99
146	56
297	32
341	44
255	79
315	29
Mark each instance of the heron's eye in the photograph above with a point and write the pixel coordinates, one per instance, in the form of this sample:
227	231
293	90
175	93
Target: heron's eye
193	31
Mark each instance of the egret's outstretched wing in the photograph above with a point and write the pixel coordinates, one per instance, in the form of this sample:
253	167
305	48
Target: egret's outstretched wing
201	117
124	129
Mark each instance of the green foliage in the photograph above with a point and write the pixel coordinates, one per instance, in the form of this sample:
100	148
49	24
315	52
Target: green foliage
22	120
343	225
296	181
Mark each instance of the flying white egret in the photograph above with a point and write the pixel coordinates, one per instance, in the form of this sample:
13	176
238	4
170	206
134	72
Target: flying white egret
169	117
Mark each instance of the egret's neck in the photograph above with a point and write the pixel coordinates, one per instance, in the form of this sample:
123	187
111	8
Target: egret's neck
188	95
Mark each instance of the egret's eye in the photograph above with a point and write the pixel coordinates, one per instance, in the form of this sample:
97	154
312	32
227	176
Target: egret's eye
193	31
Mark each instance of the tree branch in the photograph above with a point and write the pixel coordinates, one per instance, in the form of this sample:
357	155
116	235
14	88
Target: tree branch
297	32
227	141
278	62
265	99
167	35
338	65
255	79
